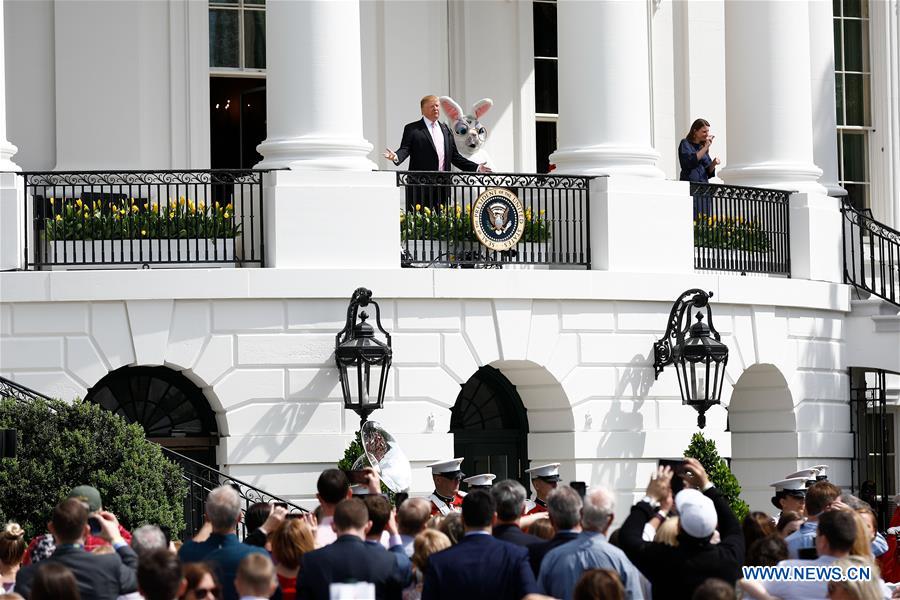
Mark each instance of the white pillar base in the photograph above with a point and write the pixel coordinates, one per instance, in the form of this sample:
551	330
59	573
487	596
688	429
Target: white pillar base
12	222
321	220
816	238
641	226
791	177
316	154
7	151
608	160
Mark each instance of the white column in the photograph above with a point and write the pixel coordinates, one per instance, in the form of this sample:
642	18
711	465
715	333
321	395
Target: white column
767	61
821	65
604	89
7	150
313	86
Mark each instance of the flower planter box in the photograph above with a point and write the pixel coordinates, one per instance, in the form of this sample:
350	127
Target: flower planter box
424	251
127	254
716	259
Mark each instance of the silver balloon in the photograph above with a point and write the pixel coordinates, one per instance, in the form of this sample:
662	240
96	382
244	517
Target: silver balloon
385	456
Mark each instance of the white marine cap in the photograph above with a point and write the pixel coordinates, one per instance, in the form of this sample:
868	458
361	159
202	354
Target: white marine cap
548	472
483	480
792	484
696	513
822	471
809	474
447	466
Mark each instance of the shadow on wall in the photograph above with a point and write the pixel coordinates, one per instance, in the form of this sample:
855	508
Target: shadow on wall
623	437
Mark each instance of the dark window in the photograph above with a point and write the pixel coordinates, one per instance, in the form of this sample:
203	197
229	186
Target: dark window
546	81
545	29
237	121
223	39
545	144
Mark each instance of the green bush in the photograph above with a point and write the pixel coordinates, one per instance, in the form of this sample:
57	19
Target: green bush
62	445
720	475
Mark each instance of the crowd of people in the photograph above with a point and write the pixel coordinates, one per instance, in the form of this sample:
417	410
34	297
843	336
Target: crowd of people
681	540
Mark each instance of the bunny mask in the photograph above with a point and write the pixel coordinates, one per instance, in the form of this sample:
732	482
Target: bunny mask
468	132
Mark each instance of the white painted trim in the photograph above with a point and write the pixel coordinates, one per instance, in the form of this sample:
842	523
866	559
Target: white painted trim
884	155
209	284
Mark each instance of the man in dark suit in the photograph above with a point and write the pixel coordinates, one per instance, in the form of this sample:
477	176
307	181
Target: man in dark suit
349	559
429	145
479	566
509	496
564	506
222	548
99	576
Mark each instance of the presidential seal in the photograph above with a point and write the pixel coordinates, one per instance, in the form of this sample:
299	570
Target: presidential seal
498	219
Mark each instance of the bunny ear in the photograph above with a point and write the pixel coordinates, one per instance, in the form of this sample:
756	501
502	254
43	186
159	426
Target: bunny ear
451	108
481	107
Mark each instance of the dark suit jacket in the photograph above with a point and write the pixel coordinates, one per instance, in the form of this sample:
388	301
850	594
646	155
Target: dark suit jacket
537	552
514	535
418	145
223	551
99	576
479	567
348	560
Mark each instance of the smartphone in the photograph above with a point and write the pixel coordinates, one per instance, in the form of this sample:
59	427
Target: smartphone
295	515
94	523
281	504
808	553
400	498
678	470
357	477
580	487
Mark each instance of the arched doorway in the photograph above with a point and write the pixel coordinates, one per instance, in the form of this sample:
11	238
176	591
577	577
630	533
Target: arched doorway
490	427
172	410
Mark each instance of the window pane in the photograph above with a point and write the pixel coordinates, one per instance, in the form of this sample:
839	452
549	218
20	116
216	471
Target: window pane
254	39
856	8
836	7
856	45
545	86
214	2
858	195
838	47
854	156
839	93
546	144
223	38
255	2
544	29
856	92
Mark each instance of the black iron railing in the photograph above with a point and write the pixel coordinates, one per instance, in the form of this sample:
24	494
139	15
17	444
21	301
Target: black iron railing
109	219
871	254
436	226
200	478
741	229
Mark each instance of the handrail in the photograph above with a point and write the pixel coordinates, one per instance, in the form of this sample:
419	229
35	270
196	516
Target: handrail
200	478
871	253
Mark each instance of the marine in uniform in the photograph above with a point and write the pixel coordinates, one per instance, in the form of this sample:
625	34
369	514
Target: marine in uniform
544	479
480	482
446	497
790	495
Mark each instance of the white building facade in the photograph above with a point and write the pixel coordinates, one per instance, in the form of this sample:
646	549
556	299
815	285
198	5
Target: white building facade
126	85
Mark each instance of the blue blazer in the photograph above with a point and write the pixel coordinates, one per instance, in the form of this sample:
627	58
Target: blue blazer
225	552
479	567
348	560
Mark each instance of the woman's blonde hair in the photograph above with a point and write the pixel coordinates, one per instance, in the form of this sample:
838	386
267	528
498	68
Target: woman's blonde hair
862	544
427	543
12	544
290	541
860	589
667	533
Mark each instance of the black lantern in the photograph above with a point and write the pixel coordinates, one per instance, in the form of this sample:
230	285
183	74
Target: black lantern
699	360
363	361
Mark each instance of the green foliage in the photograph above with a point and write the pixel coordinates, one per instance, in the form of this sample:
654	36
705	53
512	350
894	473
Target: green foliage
720	475
62	445
132	221
453	224
730	233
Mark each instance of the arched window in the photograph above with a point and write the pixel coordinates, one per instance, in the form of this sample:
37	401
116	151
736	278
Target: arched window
490	427
172	410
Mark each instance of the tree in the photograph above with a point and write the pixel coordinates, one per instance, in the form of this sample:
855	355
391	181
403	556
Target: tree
63	445
720	475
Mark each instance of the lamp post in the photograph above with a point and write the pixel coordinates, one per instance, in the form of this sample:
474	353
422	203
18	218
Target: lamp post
361	358
699	358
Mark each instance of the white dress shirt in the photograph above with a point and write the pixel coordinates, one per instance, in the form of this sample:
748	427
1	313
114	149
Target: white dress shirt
437	136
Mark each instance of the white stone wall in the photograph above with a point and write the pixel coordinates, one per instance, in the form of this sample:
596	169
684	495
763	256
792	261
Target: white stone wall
577	346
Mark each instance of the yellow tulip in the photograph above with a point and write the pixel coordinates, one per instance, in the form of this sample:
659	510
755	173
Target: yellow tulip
226	215
134	208
143	232
202	206
427	210
52	200
121	211
181	201
709	221
78	203
228	206
543	211
418	207
59	217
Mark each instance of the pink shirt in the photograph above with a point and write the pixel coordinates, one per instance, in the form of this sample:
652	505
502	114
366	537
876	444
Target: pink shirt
324	534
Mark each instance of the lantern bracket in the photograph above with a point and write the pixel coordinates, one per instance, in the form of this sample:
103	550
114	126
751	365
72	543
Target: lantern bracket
677	328
361	298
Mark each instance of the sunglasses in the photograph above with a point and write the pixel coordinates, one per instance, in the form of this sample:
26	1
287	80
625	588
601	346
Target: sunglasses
212	592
